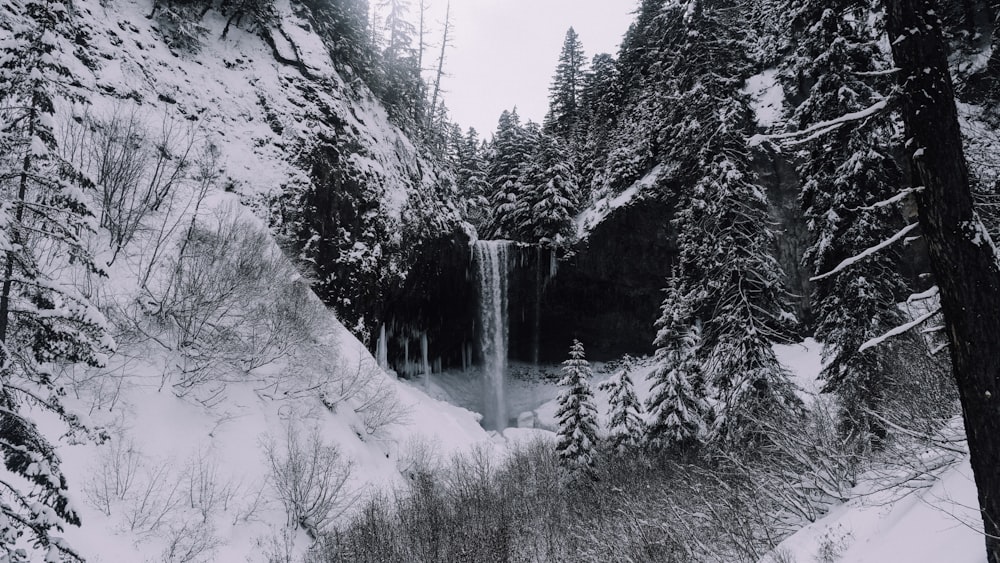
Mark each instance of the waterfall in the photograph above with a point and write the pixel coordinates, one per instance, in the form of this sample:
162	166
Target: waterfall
491	274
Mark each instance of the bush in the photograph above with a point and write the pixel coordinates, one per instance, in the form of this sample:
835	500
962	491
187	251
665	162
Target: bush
231	305
310	479
180	26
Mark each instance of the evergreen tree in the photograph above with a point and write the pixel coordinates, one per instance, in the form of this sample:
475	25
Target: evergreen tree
727	275
625	423
844	174
343	25
679	402
548	195
471	176
563	117
43	215
510	151
400	85
601	100
577	417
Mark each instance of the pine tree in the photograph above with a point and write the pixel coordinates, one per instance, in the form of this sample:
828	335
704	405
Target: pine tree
564	113
400	85
548	195
625	424
679	402
510	152
601	101
43	215
727	275
845	173
471	176
577	417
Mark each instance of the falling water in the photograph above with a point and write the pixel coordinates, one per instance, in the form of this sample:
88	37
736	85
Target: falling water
491	273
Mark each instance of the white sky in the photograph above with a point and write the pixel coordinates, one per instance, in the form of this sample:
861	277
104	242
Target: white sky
505	51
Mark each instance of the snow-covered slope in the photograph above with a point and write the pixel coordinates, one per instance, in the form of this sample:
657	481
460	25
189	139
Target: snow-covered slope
263	114
934	524
188	470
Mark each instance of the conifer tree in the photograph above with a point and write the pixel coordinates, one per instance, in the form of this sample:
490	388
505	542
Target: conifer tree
577	417
601	100
471	176
679	403
625	424
727	275
844	175
548	195
400	85
510	152
564	113
43	215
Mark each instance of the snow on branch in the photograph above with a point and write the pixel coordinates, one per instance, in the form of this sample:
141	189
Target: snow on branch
820	128
933	291
867	252
898	330
887	202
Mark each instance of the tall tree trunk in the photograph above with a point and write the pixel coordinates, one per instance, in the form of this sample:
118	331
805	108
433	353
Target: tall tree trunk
15	239
440	67
963	259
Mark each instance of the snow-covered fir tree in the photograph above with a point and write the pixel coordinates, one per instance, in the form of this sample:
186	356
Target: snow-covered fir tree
44	216
399	83
471	176
601	101
576	438
844	175
679	402
564	115
727	275
510	150
625	425
548	195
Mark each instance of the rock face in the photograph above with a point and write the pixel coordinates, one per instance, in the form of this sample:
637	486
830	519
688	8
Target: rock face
438	302
778	177
606	291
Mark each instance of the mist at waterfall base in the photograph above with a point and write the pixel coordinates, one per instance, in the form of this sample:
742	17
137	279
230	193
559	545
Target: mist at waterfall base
468	330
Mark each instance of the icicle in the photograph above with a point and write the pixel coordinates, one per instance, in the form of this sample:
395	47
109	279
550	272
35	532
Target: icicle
381	351
406	357
425	363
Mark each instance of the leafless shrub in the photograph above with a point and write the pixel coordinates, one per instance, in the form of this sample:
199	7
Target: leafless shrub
368	390
380	407
156	498
190	541
134	169
254	501
310	478
278	547
208	491
151	500
115	475
418	455
229	306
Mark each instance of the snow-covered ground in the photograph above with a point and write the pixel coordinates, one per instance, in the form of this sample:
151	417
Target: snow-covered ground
185	473
937	524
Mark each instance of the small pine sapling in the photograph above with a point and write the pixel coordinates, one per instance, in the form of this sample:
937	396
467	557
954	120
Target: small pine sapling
679	403
577	416
625	424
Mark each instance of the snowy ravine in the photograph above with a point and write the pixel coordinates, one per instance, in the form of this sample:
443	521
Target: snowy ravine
184	474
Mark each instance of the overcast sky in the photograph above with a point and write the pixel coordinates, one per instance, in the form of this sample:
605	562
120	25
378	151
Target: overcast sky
505	51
